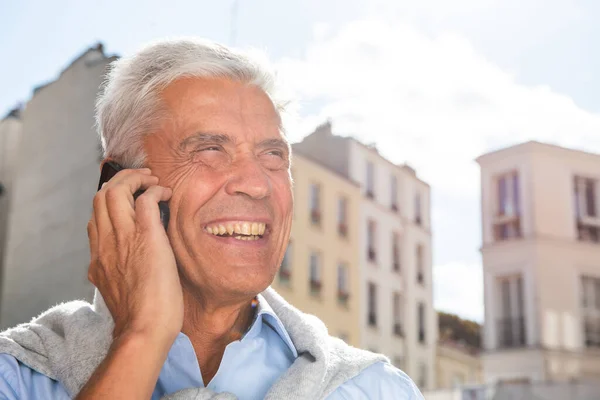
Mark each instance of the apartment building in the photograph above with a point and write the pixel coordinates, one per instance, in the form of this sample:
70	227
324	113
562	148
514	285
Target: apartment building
396	306
10	133
320	271
541	261
56	176
457	366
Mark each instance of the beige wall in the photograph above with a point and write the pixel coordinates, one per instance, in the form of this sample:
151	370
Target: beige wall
56	178
349	157
550	259
340	320
456	366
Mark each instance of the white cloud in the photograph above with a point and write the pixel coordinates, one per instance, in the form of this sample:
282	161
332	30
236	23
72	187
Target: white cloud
458	289
437	104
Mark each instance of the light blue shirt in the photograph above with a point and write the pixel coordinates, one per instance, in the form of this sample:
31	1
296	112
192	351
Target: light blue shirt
249	367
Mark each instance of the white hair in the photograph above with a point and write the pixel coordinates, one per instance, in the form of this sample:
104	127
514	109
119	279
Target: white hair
128	106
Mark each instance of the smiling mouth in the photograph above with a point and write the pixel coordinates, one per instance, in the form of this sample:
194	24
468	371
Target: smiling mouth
241	230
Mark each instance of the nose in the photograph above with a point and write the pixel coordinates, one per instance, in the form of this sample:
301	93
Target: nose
250	179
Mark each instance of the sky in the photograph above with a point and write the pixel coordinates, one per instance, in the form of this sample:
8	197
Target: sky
434	83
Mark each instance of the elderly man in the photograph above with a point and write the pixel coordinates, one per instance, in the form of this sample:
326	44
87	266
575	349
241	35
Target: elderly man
187	312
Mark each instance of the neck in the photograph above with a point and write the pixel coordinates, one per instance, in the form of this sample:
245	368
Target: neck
211	327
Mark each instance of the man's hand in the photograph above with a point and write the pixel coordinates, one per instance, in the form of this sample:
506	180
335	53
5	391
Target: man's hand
132	263
133	267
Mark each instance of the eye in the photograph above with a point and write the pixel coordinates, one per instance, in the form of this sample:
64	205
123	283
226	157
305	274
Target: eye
277	153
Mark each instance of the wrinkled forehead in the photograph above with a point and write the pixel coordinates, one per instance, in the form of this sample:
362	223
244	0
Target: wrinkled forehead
219	106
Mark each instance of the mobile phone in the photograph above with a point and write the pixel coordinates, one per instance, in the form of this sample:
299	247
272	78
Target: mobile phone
110	169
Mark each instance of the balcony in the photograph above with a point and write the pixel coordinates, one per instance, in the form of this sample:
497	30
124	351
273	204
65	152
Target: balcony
591	329
343	230
342	297
372	254
315	287
372	319
511	332
398	330
588	230
315	217
507	227
284	275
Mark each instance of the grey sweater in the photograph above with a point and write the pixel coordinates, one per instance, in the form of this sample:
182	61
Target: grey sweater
69	341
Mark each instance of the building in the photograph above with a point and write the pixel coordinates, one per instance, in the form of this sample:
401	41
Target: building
457	366
10	133
396	306
541	261
320	271
56	176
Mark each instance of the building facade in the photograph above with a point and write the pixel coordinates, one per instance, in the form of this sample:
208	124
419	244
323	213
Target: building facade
320	271
541	261
10	134
396	306
56	176
457	366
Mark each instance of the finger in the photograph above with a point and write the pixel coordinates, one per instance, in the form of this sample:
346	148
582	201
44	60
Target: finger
92	231
119	199
146	206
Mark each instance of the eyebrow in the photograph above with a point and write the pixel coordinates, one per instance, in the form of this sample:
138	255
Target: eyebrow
275	142
204	138
201	138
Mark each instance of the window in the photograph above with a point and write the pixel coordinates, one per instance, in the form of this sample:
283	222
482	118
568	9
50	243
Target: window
418	215
343	284
371	240
591	310
315	204
343	216
370	180
372	312
511	325
507	221
586	209
421	316
395	252
397	310
285	271
420	264
315	273
394	193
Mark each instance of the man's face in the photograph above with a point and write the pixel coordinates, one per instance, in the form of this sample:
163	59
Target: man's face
221	150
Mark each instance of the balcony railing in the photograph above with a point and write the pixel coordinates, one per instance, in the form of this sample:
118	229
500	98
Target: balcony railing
315	217
591	329
398	329
511	332
372	254
372	319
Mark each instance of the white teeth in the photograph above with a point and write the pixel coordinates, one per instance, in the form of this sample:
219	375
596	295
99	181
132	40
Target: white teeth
237	228
209	230
230	229
255	228
261	229
222	230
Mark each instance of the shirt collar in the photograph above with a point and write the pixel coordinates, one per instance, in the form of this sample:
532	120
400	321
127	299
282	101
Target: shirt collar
265	314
